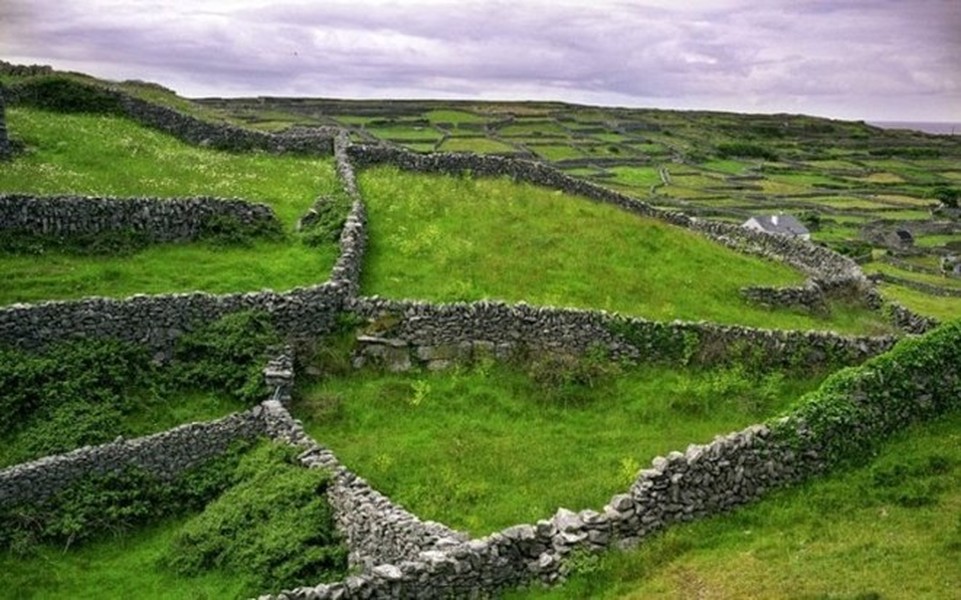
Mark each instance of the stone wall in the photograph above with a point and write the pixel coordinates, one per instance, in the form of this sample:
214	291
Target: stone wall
353	237
196	131
403	333
809	297
158	220
927	288
703	480
165	455
909	321
222	136
156	321
376	529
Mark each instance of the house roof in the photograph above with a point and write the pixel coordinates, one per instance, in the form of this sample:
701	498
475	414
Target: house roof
783	224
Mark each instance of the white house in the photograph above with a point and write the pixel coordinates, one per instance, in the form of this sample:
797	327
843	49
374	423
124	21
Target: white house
780	224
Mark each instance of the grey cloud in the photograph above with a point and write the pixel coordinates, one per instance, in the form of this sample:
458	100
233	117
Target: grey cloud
843	51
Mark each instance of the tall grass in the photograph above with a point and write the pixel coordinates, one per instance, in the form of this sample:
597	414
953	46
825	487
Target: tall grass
447	238
485	448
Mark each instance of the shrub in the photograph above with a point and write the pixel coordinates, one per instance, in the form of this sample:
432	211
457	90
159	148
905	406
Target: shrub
113	502
226	230
745	150
857	408
274	527
568	379
325	220
62	94
228	354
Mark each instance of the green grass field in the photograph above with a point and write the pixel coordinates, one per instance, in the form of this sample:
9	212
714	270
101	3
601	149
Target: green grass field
480	145
889	529
97	155
124	566
447	238
487	447
166	268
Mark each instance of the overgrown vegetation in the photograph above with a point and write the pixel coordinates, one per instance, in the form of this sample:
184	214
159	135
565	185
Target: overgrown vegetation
889	529
65	95
228	354
745	150
266	526
273	529
858	408
324	222
111	504
90	391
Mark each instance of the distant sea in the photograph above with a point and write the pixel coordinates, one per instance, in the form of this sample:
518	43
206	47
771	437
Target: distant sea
940	128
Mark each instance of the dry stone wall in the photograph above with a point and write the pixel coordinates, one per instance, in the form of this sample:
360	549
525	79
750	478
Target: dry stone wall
376	529
222	136
156	321
164	455
353	237
703	480
196	131
158	220
406	333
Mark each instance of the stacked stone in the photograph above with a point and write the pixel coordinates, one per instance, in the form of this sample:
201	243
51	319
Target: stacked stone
810	296
156	321
377	530
164	455
222	136
158	220
353	237
434	335
733	470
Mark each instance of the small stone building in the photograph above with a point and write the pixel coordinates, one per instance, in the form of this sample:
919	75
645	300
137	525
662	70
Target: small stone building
899	238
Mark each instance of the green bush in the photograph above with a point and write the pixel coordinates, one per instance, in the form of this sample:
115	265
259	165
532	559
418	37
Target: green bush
82	392
273	528
116	242
62	94
112	503
226	230
325	221
562	378
857	408
85	374
229	354
745	150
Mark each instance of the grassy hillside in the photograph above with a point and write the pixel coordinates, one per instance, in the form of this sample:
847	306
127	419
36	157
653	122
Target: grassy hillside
447	238
100	155
889	529
845	179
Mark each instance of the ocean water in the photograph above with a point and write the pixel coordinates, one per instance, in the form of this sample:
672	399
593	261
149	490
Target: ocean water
939	128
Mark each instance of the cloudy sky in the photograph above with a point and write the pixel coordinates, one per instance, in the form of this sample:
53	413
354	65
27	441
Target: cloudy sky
854	59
